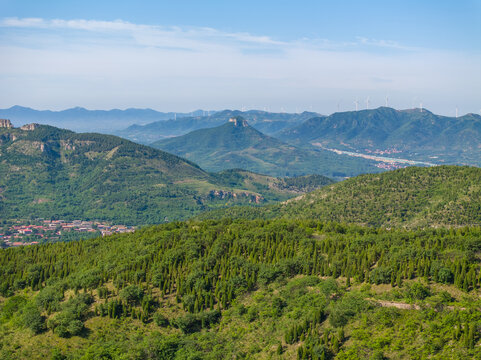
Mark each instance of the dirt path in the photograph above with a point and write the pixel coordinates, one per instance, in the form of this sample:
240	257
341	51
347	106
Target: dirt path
397	305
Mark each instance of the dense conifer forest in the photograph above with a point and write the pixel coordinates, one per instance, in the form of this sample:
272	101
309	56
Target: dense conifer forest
246	289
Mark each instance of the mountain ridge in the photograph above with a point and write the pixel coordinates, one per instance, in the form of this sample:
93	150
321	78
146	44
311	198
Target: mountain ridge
230	146
416	134
263	121
82	119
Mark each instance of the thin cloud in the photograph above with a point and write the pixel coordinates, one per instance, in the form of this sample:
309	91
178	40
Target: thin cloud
152	35
120	64
139	31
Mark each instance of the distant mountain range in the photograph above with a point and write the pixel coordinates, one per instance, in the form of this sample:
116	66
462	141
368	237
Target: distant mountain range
413	134
236	144
83	120
266	122
49	172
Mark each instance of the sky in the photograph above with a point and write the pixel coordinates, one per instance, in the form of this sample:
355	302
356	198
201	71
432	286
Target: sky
278	56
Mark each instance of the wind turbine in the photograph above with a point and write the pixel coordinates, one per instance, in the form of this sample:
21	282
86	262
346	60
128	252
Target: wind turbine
456	112
367	103
421	106
357	104
387	101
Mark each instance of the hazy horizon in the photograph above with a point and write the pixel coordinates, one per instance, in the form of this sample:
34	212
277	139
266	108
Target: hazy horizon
212	111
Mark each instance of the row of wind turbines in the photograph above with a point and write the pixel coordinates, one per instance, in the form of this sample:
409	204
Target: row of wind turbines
356	104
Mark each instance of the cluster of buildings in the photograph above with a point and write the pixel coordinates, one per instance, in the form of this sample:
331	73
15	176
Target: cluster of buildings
21	233
389	165
383	152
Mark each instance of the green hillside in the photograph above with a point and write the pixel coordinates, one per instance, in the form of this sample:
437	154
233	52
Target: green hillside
414	134
264	121
236	144
248	289
411	197
52	173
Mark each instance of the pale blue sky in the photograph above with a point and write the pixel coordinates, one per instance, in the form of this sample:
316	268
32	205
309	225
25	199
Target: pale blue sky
183	55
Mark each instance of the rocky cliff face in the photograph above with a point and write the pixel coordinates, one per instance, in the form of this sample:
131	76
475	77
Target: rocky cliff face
221	194
29	127
238	121
5	123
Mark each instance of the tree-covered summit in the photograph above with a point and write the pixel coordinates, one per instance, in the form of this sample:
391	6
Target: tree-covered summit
236	144
412	197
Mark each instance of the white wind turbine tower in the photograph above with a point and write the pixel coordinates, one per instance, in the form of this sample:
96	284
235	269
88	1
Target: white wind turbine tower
367	103
421	106
456	112
387	101
357	104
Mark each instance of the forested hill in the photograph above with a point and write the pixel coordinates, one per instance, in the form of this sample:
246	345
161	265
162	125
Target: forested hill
236	144
414	134
412	197
257	289
267	122
53	173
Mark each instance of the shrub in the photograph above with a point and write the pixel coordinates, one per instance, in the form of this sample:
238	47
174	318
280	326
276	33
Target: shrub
49	298
347	307
132	294
445	276
417	291
33	319
160	320
11	306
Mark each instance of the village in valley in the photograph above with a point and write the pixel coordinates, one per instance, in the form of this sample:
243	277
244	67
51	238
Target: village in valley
25	232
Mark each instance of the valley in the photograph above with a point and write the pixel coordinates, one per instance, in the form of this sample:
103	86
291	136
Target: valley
388	163
50	172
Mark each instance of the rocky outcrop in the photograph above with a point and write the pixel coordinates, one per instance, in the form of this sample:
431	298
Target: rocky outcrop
67	145
221	194
239	121
29	127
5	123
